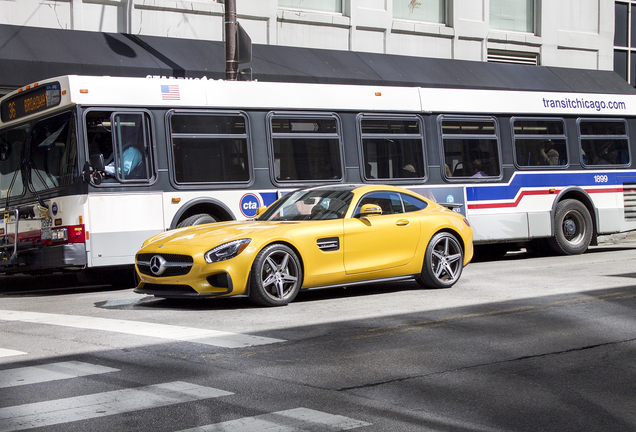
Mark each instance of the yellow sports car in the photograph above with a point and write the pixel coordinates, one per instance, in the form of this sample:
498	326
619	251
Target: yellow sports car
319	237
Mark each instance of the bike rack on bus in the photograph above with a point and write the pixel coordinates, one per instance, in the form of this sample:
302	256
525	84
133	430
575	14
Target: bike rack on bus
6	244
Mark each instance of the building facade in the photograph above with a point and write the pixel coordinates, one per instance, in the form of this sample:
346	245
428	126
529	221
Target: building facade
568	33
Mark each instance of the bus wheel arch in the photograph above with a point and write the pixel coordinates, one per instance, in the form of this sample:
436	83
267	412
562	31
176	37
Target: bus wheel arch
201	211
573	223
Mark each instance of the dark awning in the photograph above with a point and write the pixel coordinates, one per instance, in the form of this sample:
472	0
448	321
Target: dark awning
29	54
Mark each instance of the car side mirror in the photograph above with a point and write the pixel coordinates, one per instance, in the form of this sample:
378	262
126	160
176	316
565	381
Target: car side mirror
370	209
260	210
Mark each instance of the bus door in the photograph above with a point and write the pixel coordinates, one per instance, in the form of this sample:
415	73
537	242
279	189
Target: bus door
119	222
123	211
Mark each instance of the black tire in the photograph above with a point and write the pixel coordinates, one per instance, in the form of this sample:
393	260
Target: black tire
443	262
276	276
572	228
197	219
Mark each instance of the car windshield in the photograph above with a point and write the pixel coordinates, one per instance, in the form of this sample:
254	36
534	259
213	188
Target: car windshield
312	204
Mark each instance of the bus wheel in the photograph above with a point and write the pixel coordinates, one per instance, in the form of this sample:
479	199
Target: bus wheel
572	228
197	219
276	276
443	262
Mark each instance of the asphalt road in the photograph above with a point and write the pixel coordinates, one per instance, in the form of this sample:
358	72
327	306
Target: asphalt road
519	344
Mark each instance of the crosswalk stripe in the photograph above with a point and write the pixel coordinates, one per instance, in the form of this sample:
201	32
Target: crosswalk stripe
49	372
61	411
8	353
162	331
293	420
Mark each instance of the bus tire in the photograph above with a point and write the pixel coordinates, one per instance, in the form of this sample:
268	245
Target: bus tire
197	219
443	262
572	228
276	276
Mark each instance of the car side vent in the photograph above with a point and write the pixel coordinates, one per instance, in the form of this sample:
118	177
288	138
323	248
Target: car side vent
328	244
629	201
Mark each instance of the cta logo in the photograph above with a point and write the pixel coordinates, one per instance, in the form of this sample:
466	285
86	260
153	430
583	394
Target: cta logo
249	204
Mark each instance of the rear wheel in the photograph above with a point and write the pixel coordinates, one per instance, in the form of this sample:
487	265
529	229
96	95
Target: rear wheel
276	276
443	262
572	228
197	219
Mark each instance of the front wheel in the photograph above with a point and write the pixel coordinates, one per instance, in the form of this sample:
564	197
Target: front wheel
443	262
276	276
572	228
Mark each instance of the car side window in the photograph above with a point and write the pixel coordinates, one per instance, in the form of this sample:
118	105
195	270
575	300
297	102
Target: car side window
390	202
412	204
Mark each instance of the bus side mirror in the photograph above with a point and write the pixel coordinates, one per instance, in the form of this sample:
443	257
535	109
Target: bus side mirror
92	171
97	162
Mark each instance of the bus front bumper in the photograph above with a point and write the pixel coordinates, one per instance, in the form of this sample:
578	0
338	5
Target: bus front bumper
46	258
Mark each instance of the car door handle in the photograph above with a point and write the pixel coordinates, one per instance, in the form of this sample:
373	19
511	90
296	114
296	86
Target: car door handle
402	222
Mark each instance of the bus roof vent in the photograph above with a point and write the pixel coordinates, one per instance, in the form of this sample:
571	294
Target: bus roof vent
518	57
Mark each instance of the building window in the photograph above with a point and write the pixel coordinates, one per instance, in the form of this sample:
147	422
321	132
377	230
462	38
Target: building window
420	10
625	41
512	15
317	5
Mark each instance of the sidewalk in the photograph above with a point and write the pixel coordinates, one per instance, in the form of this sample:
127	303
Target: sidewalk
628	237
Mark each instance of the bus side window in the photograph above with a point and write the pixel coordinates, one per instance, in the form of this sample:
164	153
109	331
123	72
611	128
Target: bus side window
210	147
604	142
306	148
123	139
540	142
470	147
392	148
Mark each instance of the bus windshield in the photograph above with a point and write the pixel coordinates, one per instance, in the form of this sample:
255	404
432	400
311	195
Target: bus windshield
53	153
12	143
51	157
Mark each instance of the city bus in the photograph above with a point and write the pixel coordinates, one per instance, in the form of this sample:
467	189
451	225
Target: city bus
92	166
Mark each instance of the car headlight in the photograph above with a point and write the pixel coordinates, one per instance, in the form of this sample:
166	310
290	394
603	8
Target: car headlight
226	251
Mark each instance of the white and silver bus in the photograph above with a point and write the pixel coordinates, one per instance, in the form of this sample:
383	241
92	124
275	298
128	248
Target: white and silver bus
92	166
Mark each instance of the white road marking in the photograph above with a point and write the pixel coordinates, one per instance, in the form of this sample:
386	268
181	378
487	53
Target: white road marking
49	372
9	353
162	331
293	420
102	404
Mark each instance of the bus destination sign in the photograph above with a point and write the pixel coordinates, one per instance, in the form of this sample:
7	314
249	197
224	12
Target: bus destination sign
31	101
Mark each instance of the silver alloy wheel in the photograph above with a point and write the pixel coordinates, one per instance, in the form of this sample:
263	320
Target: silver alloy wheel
443	262
279	275
276	276
447	259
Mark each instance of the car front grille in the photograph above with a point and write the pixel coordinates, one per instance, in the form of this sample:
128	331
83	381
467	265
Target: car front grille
164	265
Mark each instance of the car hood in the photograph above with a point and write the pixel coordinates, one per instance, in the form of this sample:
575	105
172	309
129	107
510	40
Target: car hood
218	233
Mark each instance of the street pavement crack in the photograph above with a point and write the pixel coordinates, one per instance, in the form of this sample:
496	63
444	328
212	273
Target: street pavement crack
461	369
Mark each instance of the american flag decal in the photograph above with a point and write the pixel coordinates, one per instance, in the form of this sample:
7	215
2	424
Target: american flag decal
170	92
